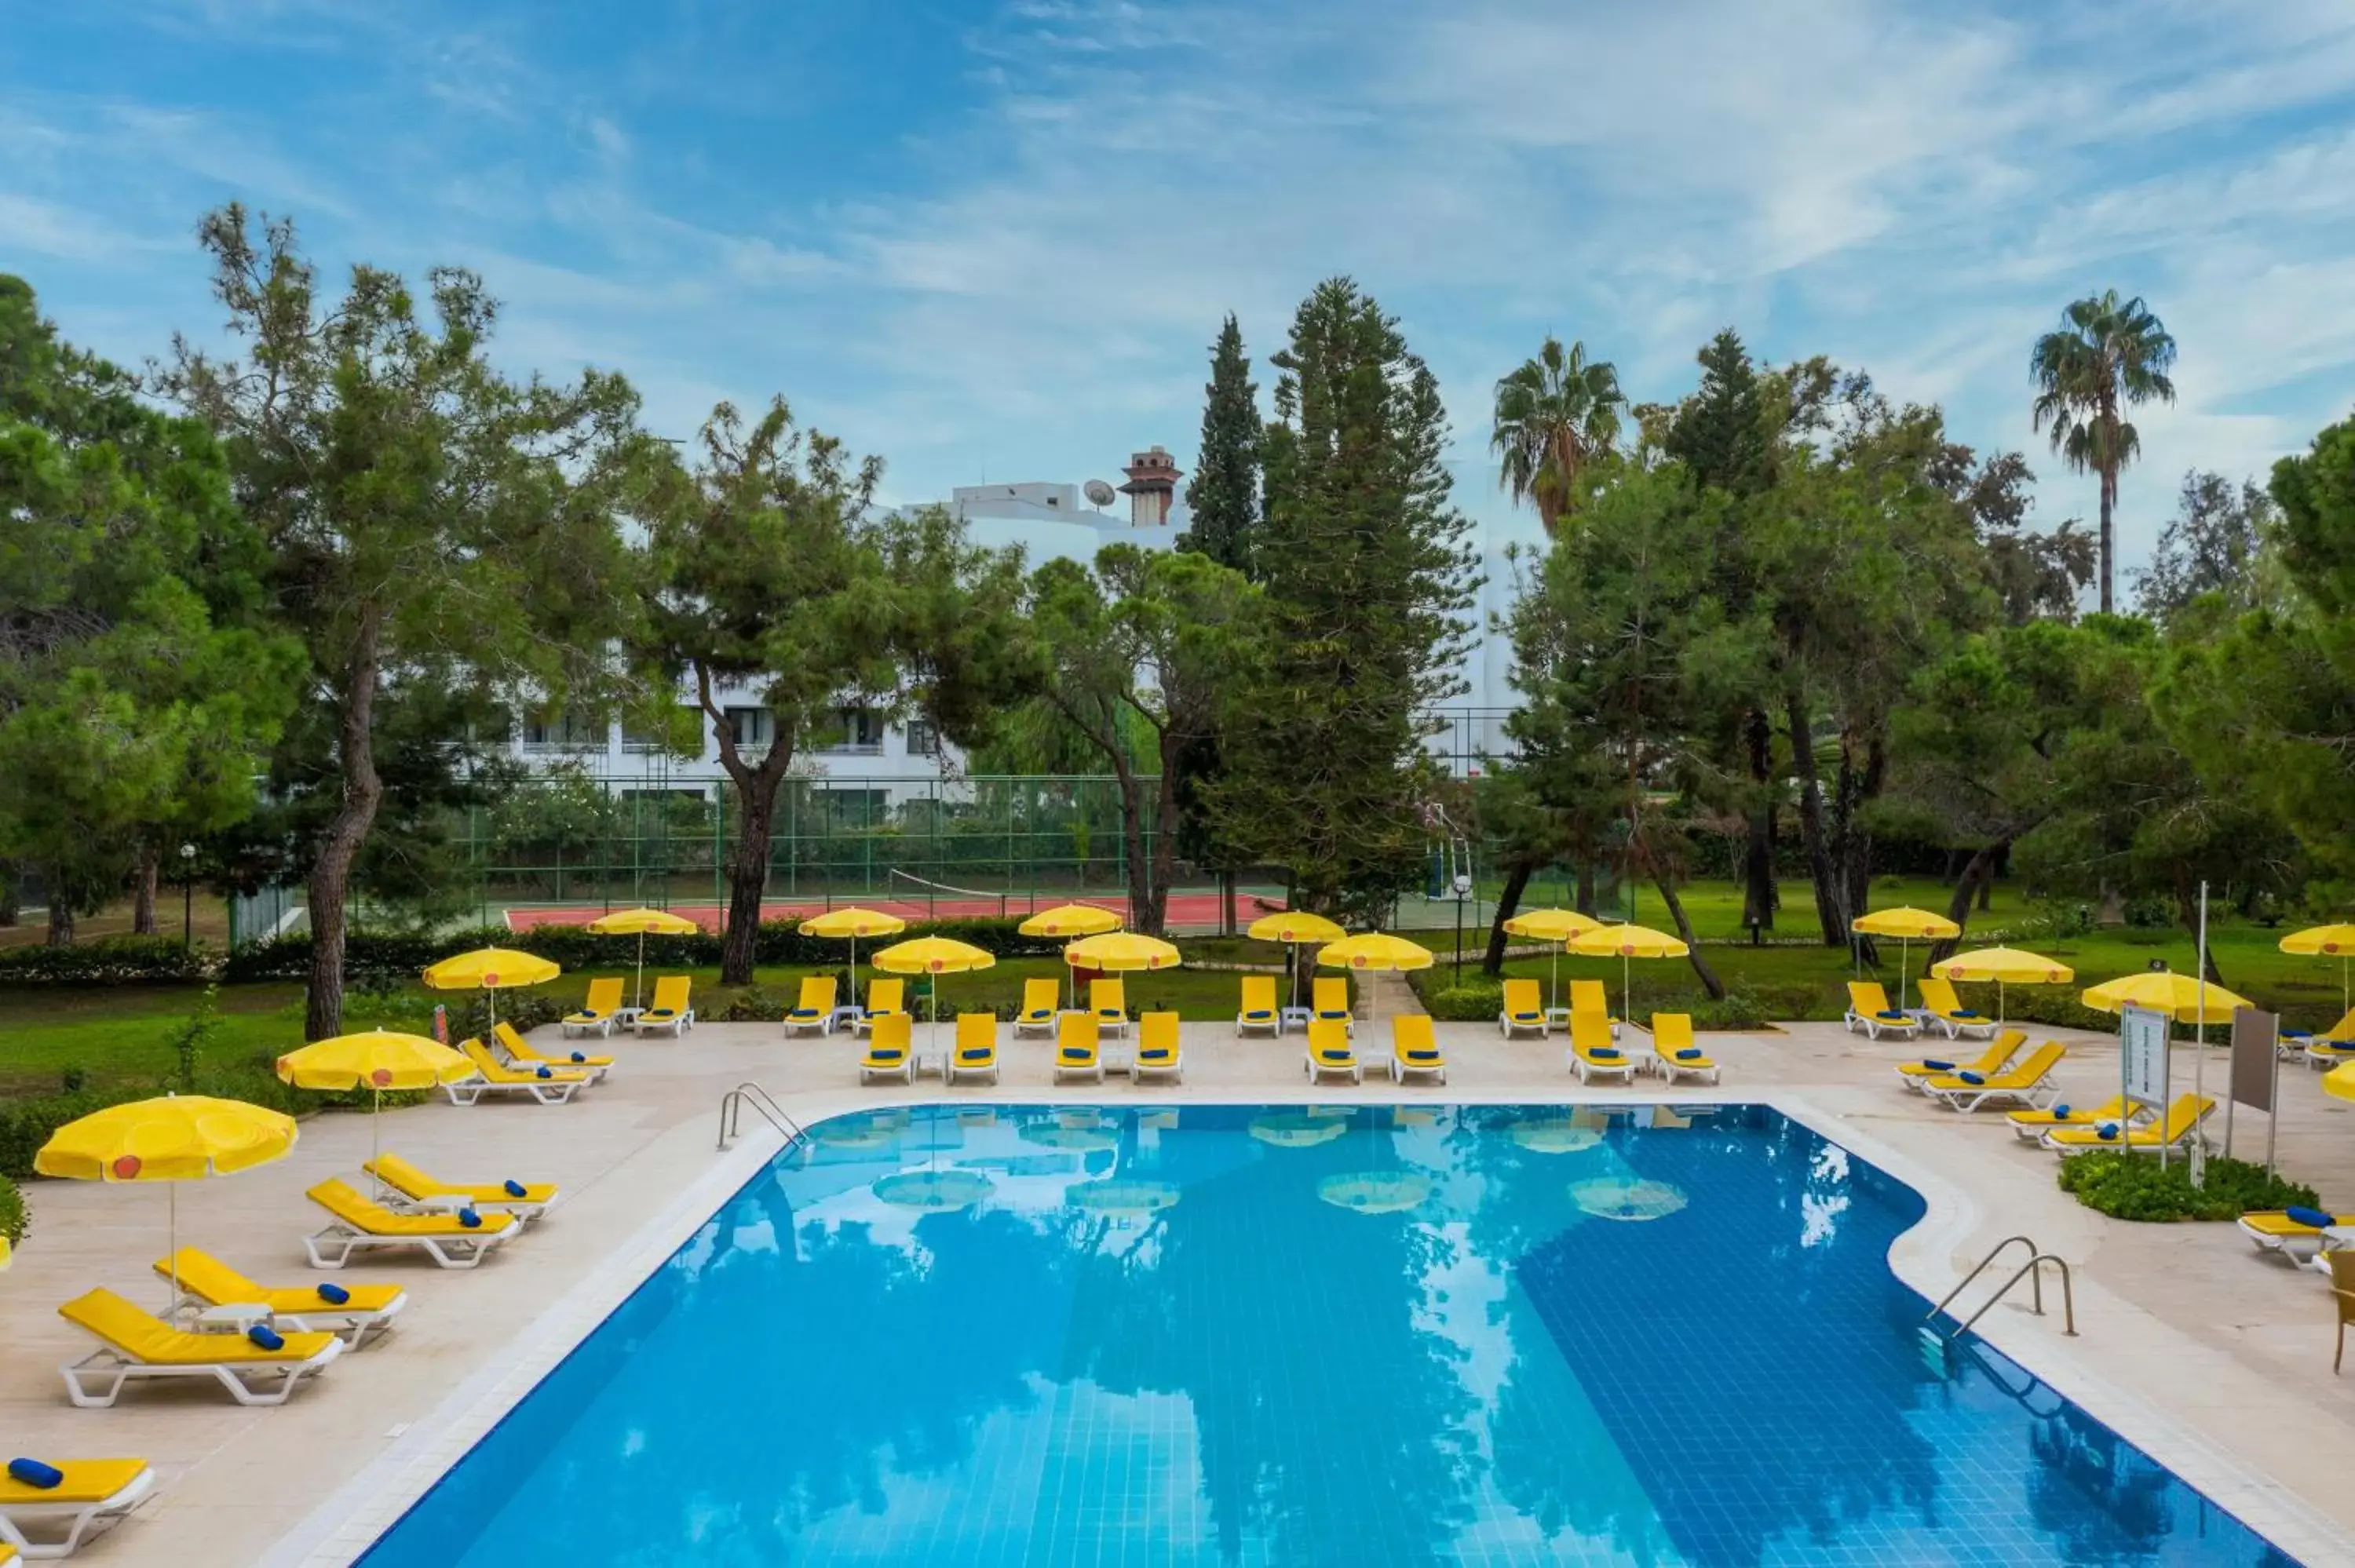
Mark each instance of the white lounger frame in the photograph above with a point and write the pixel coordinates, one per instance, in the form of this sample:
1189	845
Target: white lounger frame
97	1381
83	1520
543	1091
355	1328
333	1246
1621	1071
1435	1071
1356	1069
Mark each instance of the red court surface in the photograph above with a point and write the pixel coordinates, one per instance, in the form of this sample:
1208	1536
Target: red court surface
1190	910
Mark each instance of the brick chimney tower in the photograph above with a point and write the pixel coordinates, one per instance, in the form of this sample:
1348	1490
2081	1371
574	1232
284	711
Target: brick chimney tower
1152	485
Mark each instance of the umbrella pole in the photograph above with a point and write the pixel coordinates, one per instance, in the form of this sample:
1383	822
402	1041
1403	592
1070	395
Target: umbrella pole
1626	989
1553	983
638	991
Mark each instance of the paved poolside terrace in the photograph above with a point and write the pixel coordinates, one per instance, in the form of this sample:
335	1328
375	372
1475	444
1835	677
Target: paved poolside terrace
2214	1359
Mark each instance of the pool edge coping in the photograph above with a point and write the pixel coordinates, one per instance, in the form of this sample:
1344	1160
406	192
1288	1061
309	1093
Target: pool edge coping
354	1516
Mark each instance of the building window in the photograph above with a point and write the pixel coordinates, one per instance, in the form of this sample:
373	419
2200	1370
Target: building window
924	738
566	731
859	732
751	726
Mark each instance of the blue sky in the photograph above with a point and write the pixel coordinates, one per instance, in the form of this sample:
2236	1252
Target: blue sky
994	241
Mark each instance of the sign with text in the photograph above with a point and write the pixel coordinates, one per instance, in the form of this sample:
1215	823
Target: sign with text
2142	1050
2254	1035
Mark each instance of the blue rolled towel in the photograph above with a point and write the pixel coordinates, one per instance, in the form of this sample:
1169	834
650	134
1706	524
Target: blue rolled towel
34	1473
1964	1012
514	1188
577	1058
1970	1077
2060	1113
470	1219
268	1338
1937	1066
1894	1016
332	1294
547	1071
1690	1053
2314	1217
1416	1054
2107	1131
1604	1052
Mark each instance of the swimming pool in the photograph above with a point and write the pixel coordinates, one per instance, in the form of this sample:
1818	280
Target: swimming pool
1360	1335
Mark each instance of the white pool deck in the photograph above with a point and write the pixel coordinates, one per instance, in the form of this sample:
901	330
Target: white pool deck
2211	1356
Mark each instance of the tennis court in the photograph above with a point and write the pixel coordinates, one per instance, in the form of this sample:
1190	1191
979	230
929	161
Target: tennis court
914	898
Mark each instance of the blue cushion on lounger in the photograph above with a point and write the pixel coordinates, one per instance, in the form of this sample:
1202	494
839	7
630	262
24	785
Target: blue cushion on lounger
1970	1077
2108	1130
1605	1053
268	1338
34	1473
803	1012
1893	1015
2297	1033
1075	1053
1418	1055
547	1071
516	1189
975	1054
1260	1012
332	1294
1527	1017
2314	1217
1153	1053
1937	1066
470	1219
2060	1113
1688	1053
577	1057
886	1054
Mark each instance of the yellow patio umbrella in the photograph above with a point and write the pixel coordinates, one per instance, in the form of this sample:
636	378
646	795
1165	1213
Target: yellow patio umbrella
1117	952
640	923
491	970
376	1060
1909	926
1070	920
2004	966
853	922
174	1138
1371	951
1551	926
1626	943
2164	991
932	956
2325	942
1295	928
6	1255
2340	1082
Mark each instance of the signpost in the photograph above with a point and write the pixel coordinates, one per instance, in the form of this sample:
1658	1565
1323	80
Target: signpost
2142	1062
2256	1071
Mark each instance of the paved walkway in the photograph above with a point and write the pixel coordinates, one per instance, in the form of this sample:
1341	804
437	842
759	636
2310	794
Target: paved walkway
2199	1347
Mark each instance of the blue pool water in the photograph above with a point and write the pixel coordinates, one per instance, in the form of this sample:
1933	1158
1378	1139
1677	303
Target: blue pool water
1367	1336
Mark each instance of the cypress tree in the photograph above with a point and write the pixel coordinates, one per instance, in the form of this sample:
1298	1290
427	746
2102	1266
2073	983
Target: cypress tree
1224	494
1370	579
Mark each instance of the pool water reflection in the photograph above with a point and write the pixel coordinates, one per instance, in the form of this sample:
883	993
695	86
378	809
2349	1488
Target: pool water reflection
1300	1336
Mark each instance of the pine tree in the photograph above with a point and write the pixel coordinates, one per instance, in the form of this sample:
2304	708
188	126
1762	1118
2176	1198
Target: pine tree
1370	578
1719	434
1224	494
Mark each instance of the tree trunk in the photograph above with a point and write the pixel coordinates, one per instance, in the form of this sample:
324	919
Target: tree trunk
1584	903
1228	925
1164	854
12	893
62	921
1977	873
2109	536
1143	906
1758	863
142	890
1831	912
331	874
1508	904
748	870
1709	982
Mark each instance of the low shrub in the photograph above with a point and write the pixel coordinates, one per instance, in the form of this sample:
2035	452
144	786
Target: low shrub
2134	1187
108	960
1474	1002
471	1013
753	1004
26	1124
12	1212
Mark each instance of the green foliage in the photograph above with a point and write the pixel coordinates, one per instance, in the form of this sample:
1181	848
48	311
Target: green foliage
2108	356
1368	575
2213	547
26	1124
1555	418
1474	1001
1222	496
188	1039
2134	1187
107	960
13	1222
1720	434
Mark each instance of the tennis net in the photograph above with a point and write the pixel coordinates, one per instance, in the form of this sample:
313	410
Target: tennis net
907	887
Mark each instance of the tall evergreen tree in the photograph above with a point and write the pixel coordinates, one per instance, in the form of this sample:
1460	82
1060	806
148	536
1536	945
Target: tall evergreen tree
1224	494
2108	356
1369	577
1720	434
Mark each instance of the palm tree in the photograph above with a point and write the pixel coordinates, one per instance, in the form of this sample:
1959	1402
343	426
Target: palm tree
2108	354
1555	415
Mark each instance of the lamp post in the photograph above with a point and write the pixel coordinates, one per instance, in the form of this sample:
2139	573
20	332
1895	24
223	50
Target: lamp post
187	897
1462	891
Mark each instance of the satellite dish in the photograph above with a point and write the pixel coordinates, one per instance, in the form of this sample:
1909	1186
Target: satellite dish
1097	491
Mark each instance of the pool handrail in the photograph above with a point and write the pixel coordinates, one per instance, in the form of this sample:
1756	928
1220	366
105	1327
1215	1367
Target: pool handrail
732	1113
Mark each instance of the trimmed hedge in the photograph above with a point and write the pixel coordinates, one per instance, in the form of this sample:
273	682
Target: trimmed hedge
576	947
2133	1187
108	960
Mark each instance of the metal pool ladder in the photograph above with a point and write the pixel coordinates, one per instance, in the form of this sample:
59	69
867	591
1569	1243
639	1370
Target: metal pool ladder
731	1112
2032	1269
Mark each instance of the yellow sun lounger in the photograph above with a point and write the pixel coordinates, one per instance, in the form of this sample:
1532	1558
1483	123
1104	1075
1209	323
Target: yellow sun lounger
524	1200
2034	1125
2327	1049
2027	1085
138	1344
670	1009
1591	1054
1041	1000
890	1050
1523	1012
975	1054
526	1059
2183	1120
596	1014
1674	1054
546	1085
1993	1060
55	1521
1329	999
1948	1012
2292	1232
1157	1051
1868	1010
1257	1014
1108	1002
1588	996
1076	1055
358	1223
1414	1049
814	1010
1328	1053
365	1311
